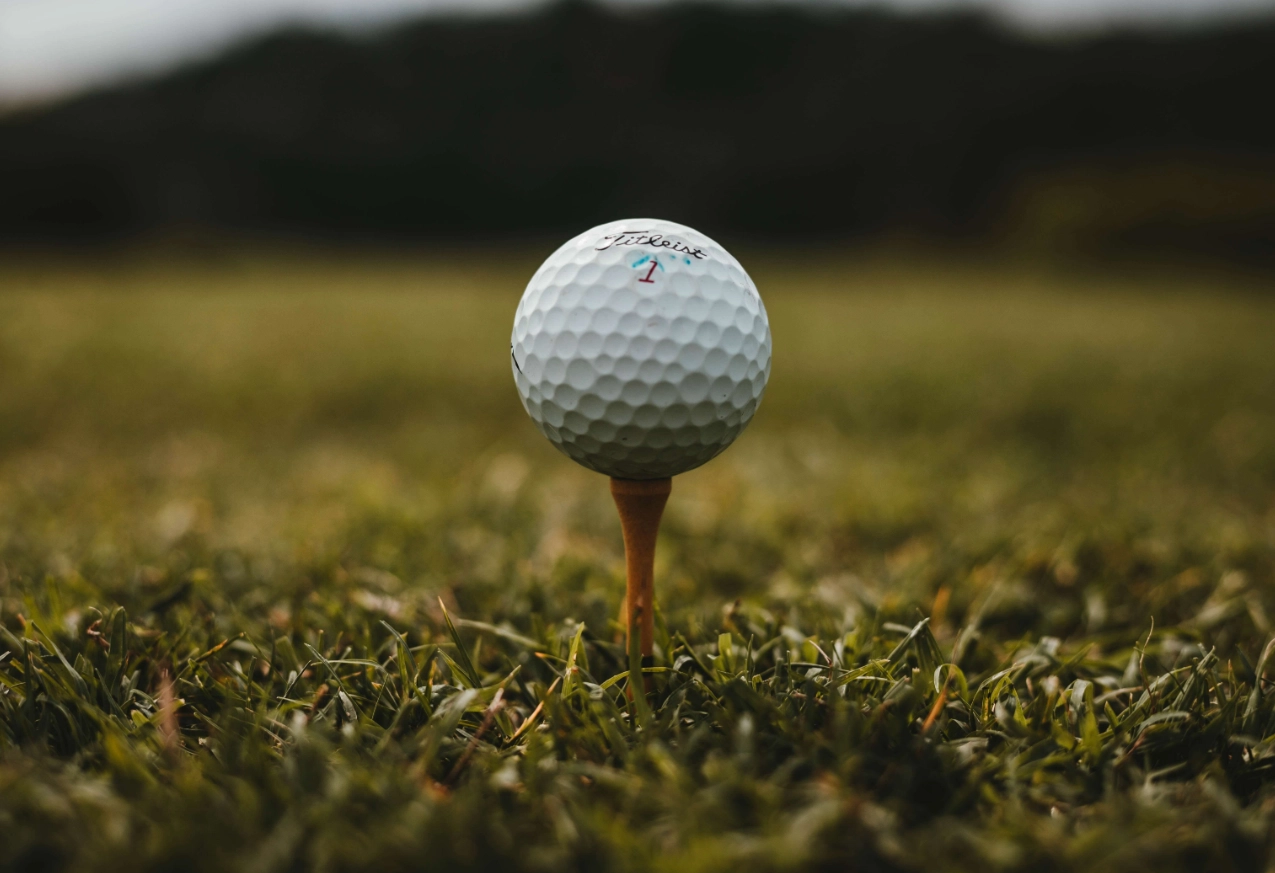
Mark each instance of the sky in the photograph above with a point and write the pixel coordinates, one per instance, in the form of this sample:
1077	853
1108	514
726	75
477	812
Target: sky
50	48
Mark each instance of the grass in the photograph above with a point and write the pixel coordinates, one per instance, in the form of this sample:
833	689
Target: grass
288	582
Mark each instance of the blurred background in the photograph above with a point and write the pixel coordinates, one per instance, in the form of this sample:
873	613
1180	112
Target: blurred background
259	261
1100	129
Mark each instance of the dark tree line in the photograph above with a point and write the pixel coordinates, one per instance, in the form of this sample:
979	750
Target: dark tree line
773	123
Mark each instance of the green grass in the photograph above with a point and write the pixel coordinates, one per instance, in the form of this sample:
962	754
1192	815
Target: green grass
987	585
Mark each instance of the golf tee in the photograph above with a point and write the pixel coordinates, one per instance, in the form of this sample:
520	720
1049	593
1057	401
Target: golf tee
641	503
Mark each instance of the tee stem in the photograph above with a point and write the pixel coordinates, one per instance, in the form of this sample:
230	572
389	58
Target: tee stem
641	503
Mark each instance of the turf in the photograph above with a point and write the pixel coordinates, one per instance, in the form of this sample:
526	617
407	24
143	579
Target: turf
289	582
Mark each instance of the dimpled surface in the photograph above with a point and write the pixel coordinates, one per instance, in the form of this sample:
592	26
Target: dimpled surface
641	349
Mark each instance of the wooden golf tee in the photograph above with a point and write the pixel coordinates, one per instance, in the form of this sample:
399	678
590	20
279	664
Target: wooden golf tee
641	503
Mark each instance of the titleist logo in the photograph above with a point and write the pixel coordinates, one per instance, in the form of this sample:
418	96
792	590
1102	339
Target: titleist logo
646	238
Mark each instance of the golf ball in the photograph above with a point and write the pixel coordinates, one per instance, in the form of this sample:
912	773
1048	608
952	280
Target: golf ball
641	349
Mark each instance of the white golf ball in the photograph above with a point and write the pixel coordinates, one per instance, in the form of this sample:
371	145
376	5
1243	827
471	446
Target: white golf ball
641	349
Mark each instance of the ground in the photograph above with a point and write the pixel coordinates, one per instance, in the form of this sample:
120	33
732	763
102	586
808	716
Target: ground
288	581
